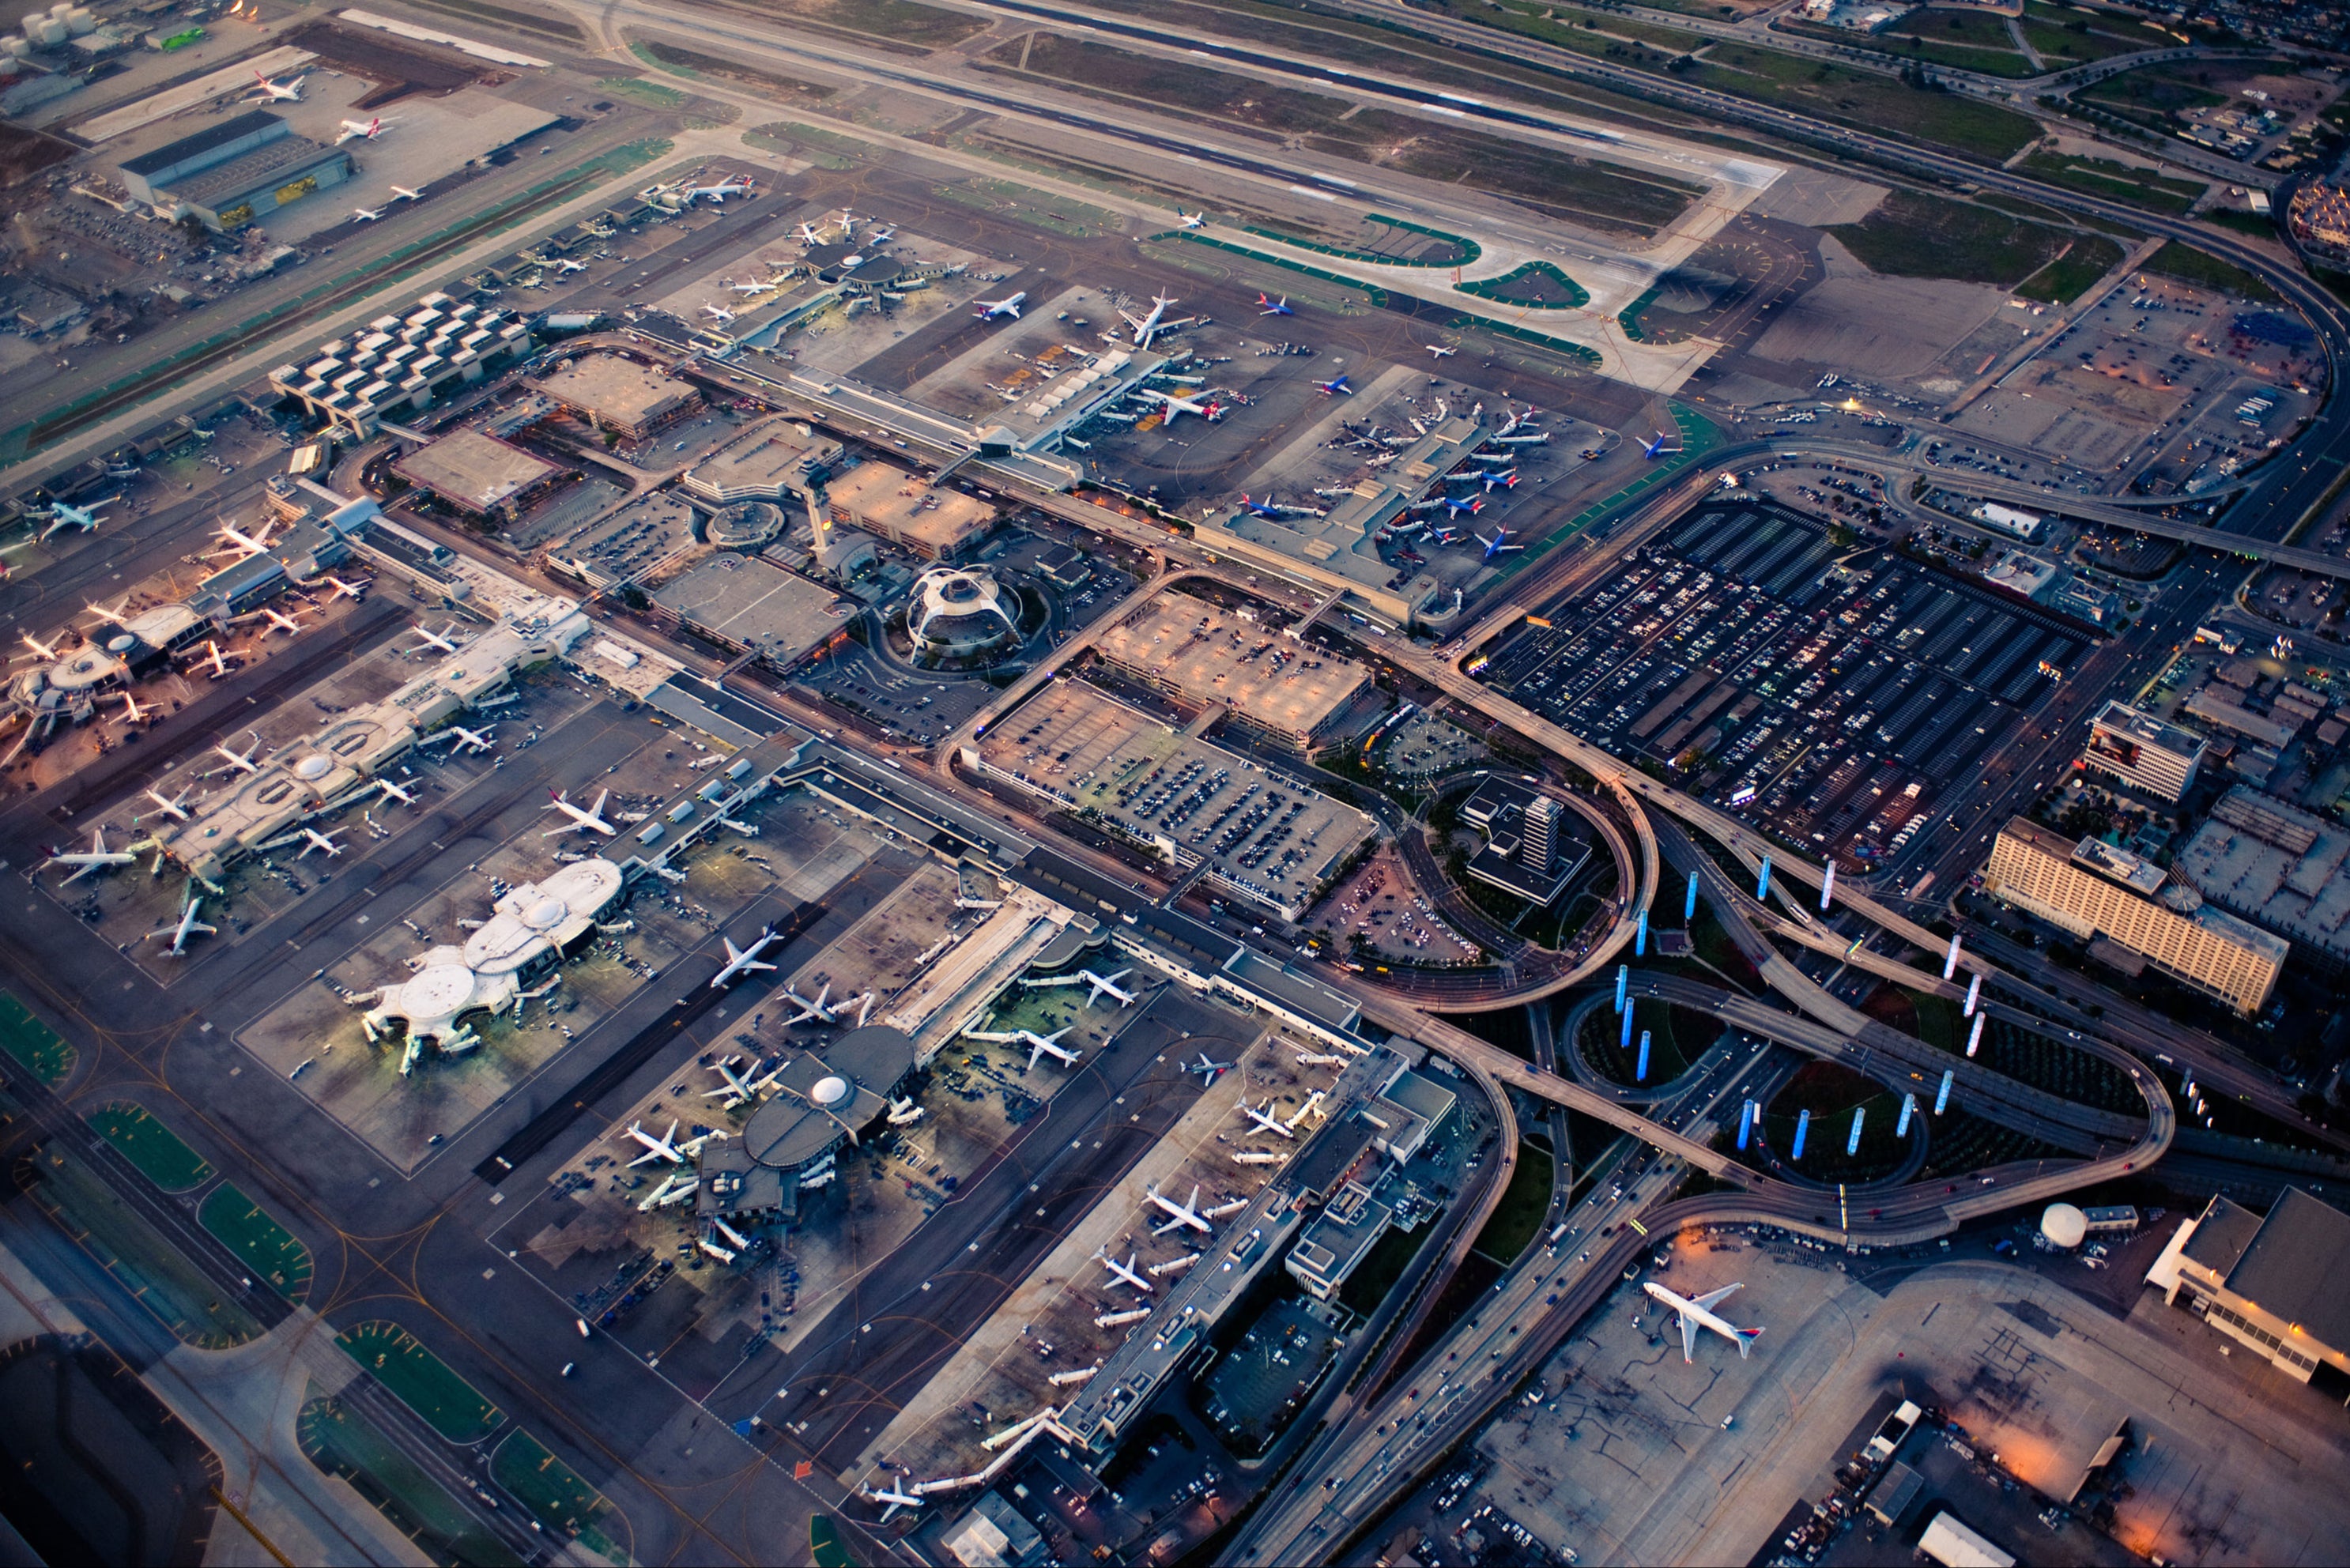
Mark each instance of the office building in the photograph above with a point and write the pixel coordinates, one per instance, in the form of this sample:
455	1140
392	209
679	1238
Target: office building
2107	895
2143	752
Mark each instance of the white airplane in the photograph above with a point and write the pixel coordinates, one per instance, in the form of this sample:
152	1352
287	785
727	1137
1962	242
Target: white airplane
893	1497
1146	328
63	516
1209	1069
718	312
1097	986
439	639
279	621
1440	351
568	267
1123	1273
749	287
363	130
1169	406
343	590
249	545
264	90
1695	1314
402	193
404	796
661	1147
467	739
808	236
590	819
173	807
97	857
849	222
319	840
742	960
104	615
815	1012
185	927
133	713
879	236
990	309
1184	1213
1043	1046
1190	219
1266	1121
367	214
720	191
733	1090
904	1113
247	762
40	649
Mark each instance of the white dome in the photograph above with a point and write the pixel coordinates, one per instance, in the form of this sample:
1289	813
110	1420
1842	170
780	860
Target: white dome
960	608
545	915
830	1090
2063	1226
312	767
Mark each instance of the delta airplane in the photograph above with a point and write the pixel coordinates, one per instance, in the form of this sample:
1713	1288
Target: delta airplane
1440	351
991	309
1148	328
264	90
1497	546
97	857
363	130
170	806
1266	1121
718	312
186	926
319	840
1190	219
1169	406
439	639
816	1012
246	764
467	739
402	193
1209	1069
1267	306
86	518
1696	1315
1333	387
583	819
1653	450
661	1147
367	214
1123	1273
742	960
1184	1213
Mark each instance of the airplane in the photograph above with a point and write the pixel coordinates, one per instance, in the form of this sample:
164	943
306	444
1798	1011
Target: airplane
214	657
661	1147
97	857
849	222
1123	1273
133	713
62	517
742	960
1042	1046
279	621
590	819
568	267
1333	387
1499	478
264	90
1269	507
1440	351
1192	220
734	1091
251	545
467	739
720	191
1656	449
246	763
1495	546
904	1113
1100	985
402	193
1184	1213
1266	305
404	796
810	1012
40	649
319	840
808	236
343	590
893	1497
1695	1314
990	309
1266	1121
439	639
185	927
749	287
1148	328
173	807
363	130
718	312
879	236
367	214
1209	1069
1169	406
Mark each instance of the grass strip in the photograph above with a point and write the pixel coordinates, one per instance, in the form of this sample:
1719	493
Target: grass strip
40	1049
424	1383
154	1149
272	1252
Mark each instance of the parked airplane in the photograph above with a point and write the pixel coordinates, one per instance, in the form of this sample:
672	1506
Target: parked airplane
1190	219
742	960
808	236
364	130
588	819
246	545
1269	507
133	713
1656	449
1043	1046
1496	547
718	312
1266	305
568	267
97	857
1148	328
264	90
720	191
735	1091
1184	1213
402	193
1096	986
246	764
367	214
749	287
1123	1273
1440	351
1498	479
1209	1069
86	518
990	309
467	739
439	639
279	621
893	1497
1169	406
405	797
173	805
40	649
319	840
1696	1314
1266	1121
816	1012
1334	387
185	927
661	1147
343	590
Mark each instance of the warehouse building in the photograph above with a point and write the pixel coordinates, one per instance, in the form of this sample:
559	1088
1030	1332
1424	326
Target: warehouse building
2284	869
2279	1285
1286	692
613	392
230	174
2128	903
2143	751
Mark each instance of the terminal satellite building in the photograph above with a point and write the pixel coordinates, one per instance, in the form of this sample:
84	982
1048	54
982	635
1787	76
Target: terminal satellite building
2143	752
530	930
824	1098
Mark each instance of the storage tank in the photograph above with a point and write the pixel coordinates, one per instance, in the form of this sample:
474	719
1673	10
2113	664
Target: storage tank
62	9
51	34
2063	1226
81	21
15	48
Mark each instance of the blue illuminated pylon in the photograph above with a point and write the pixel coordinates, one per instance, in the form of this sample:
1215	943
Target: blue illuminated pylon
1852	1144
1688	909
1942	1100
1640	937
1803	1125
1974	1036
1623	981
1745	1125
1909	1109
1763	887
1641	1074
1625	1042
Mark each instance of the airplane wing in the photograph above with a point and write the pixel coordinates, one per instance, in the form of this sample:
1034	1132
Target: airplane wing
1689	1337
1710	1298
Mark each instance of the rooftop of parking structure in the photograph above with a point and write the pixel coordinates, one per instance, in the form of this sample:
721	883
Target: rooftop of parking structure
1212	656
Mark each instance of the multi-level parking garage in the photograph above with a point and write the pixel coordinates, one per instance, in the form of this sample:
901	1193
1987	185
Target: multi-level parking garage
1838	692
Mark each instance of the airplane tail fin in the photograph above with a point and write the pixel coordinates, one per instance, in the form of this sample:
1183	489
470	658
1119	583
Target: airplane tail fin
1746	1338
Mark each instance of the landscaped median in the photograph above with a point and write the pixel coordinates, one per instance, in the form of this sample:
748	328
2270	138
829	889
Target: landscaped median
1465	249
269	1248
423	1381
554	1495
159	1153
1535	286
41	1050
